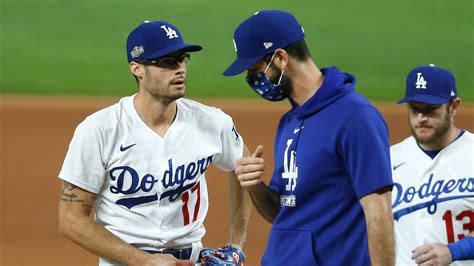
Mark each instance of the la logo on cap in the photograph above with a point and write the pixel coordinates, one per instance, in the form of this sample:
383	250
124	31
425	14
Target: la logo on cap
170	33
420	81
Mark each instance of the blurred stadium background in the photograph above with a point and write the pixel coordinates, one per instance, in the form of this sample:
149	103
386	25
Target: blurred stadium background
78	46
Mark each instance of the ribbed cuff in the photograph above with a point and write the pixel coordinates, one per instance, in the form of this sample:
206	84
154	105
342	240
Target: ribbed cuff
462	249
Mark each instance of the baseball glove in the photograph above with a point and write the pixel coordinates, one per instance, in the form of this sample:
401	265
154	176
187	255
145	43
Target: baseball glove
227	255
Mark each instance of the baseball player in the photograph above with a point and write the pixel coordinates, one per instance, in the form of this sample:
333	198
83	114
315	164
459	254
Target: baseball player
134	189
329	195
433	171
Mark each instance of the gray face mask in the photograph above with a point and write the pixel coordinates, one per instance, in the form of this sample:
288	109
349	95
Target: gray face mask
262	85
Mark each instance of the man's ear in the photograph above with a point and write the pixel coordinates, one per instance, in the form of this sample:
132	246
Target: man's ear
136	69
455	106
281	58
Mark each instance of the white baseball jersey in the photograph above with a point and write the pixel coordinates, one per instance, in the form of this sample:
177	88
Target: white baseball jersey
433	199
151	190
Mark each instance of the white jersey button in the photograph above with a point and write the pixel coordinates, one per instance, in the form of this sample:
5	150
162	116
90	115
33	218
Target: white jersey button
164	228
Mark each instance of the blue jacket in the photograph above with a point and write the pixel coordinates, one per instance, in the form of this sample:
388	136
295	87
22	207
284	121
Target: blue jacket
329	152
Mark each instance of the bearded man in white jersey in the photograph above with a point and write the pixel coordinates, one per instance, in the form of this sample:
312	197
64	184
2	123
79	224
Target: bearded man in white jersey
133	181
433	171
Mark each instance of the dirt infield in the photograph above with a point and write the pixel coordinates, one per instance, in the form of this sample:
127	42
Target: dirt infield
35	133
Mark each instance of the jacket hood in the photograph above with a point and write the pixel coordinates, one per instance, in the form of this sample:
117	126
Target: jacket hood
335	85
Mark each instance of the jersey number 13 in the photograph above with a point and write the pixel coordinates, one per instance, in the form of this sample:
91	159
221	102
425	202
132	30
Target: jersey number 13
448	221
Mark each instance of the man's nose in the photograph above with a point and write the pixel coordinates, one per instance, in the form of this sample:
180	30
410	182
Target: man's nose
422	117
181	67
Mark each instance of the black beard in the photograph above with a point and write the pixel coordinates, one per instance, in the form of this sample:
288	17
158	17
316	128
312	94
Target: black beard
286	82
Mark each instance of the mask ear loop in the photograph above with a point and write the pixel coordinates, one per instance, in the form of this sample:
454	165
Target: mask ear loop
282	72
271	60
281	76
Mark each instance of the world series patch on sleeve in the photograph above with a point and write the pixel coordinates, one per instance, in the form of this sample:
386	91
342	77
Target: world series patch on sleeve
227	255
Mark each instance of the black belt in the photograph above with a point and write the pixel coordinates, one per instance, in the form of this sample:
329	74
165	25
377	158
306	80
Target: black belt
182	254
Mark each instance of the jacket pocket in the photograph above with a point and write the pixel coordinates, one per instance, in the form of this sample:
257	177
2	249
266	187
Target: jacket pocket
289	246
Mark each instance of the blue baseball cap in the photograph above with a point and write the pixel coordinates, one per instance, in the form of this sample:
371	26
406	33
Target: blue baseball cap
261	34
154	39
430	84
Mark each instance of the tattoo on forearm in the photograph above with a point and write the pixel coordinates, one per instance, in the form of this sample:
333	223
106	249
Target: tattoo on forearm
67	195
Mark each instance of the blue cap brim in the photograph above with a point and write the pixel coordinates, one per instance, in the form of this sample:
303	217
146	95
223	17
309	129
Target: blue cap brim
240	65
424	98
174	48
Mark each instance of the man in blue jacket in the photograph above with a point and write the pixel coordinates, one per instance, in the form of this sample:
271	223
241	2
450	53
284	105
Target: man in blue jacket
329	197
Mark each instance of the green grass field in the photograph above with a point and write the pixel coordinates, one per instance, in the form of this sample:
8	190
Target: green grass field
78	46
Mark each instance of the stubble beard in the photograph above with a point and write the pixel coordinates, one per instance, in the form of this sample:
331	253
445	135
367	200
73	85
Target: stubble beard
161	91
438	134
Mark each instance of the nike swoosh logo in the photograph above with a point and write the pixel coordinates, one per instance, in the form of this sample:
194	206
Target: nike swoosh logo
122	148
398	165
297	130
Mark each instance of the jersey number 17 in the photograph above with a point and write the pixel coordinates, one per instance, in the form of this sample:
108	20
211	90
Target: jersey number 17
185	200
